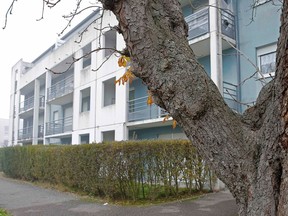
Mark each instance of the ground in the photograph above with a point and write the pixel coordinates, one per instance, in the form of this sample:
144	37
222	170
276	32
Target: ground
25	199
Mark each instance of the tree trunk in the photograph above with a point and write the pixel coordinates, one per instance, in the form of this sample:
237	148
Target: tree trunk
248	152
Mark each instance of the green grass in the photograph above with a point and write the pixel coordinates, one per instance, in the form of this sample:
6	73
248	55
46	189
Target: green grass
3	212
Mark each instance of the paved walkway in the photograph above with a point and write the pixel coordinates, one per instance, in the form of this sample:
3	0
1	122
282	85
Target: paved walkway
24	199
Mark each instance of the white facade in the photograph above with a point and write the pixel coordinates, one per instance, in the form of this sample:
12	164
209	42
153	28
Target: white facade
4	132
69	107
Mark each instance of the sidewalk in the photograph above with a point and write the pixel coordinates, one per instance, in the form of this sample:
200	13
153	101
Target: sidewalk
23	199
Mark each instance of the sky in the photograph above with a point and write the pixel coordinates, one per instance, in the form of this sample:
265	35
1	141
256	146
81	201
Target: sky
26	38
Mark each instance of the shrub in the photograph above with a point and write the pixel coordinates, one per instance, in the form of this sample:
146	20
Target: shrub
120	170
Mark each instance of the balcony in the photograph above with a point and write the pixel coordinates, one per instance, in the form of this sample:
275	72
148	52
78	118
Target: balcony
59	126
26	107
198	24
231	95
228	24
199	29
139	110
27	133
61	88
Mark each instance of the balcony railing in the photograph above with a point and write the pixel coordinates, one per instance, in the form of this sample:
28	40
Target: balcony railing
59	126
230	94
138	110
27	133
61	88
228	24
29	104
198	23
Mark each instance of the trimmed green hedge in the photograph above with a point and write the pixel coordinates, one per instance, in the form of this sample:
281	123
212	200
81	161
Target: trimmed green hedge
120	170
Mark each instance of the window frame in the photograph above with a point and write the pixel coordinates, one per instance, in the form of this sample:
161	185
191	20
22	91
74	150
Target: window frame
261	51
103	133
85	100
104	102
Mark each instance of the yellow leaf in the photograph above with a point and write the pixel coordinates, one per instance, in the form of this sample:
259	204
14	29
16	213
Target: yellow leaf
123	60
174	124
127	76
149	99
166	118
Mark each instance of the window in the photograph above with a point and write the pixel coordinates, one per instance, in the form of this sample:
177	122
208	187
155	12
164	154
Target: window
109	92
84	138
55	116
6	130
87	57
5	143
108	136
267	60
109	42
85	100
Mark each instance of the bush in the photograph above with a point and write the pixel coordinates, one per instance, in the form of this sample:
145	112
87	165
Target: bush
120	170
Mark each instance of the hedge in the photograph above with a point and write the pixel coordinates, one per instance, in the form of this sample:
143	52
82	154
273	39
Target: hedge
130	170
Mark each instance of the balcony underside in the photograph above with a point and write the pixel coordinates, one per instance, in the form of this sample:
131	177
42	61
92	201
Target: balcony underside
201	45
29	113
149	123
65	99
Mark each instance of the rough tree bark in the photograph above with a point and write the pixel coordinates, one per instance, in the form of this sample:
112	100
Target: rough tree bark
249	151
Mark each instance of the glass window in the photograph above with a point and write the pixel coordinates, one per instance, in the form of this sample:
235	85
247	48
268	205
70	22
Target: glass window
109	92
268	63
266	57
87	56
85	100
6	130
84	138
109	42
108	136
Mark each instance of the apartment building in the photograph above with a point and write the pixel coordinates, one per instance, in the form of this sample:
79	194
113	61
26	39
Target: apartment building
81	103
4	132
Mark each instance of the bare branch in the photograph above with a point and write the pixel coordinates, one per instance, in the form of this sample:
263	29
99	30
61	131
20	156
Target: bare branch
107	58
239	102
9	11
70	64
86	29
250	61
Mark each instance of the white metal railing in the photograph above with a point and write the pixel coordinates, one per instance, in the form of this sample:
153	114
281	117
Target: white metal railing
27	133
138	109
61	88
230	94
59	126
198	23
29	104
228	24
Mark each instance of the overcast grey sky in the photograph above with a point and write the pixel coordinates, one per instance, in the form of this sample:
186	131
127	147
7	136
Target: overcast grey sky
26	38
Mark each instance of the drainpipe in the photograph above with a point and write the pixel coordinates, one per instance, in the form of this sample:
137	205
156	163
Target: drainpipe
216	44
238	57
